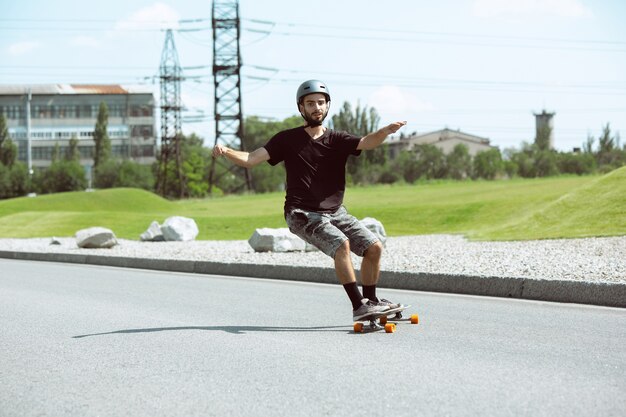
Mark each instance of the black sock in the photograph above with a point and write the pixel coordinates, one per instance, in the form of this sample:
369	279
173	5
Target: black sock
369	292
355	295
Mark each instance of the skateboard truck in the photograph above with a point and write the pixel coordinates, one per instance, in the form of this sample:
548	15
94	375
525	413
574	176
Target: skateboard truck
383	321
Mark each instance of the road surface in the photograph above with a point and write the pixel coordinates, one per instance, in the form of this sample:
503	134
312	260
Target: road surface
95	341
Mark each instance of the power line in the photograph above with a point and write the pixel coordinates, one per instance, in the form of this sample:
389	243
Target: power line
467	86
413	32
273	24
436	37
268	27
607	85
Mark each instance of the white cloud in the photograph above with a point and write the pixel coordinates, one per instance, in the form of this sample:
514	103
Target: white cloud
85	41
156	16
21	48
391	101
559	8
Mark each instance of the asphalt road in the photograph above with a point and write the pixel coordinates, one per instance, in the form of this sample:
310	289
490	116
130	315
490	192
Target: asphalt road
94	341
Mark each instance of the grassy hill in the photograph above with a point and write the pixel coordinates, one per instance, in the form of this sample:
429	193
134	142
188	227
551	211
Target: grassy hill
501	210
597	208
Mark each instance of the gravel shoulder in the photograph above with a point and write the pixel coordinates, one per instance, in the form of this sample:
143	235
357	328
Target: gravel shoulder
593	260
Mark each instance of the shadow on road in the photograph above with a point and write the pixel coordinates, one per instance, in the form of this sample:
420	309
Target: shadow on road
227	329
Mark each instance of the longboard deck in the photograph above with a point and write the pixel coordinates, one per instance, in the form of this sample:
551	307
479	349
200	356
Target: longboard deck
368	324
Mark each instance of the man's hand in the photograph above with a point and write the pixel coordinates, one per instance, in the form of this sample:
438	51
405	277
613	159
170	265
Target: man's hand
394	127
219	150
372	140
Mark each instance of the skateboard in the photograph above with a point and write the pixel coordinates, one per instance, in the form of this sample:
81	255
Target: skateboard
386	320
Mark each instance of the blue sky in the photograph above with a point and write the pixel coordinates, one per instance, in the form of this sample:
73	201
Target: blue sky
482	66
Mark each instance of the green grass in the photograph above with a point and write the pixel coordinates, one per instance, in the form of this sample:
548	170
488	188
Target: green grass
486	210
597	208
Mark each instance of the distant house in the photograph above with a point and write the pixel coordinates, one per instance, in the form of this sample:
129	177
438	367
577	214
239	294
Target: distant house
445	139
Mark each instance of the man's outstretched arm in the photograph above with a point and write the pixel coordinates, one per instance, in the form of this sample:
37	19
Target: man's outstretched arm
241	158
372	140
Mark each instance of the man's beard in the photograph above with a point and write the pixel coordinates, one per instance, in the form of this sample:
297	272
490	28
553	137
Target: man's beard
313	122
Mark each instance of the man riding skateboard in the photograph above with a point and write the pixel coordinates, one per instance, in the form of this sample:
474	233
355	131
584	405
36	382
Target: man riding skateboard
315	160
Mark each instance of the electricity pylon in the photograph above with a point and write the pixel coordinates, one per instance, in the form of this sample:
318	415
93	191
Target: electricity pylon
227	83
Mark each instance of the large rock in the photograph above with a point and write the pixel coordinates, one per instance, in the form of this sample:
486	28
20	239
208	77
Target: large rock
179	228
375	227
277	240
153	234
95	237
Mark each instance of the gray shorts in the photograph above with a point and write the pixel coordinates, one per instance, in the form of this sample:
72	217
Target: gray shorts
328	231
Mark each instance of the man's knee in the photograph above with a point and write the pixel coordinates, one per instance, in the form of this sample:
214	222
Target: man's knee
343	250
374	252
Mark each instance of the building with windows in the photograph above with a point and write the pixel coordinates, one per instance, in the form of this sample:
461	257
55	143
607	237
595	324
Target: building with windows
445	139
52	114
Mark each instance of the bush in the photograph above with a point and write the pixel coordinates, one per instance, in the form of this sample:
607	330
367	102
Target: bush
106	174
579	164
112	174
488	164
61	176
134	175
14	180
431	162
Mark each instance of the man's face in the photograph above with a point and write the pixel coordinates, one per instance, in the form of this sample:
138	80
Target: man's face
314	109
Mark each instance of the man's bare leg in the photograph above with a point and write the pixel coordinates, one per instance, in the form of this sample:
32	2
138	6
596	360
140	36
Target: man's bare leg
370	266
343	264
345	273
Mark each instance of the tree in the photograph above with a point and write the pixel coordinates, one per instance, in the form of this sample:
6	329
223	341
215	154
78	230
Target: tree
531	162
56	153
576	163
13	180
360	122
4	132
106	174
112	174
459	162
132	174
101	137
61	176
488	164
588	145
8	149
196	162
407	165
73	154
431	162
545	163
609	154
8	152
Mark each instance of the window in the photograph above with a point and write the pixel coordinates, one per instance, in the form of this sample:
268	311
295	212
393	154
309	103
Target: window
85	112
142	131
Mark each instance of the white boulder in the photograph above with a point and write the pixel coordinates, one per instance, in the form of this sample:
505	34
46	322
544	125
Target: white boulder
153	234
277	240
95	237
179	228
375	227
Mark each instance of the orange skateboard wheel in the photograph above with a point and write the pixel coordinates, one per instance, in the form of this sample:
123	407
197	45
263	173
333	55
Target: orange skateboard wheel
415	319
358	327
390	328
383	320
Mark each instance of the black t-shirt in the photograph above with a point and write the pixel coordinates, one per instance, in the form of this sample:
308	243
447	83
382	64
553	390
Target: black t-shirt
316	168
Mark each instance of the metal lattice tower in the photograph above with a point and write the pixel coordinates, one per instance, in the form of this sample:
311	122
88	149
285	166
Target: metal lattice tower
170	78
227	83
